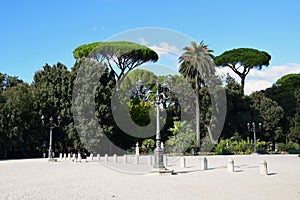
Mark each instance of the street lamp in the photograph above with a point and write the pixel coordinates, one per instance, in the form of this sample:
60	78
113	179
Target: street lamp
51	125
163	92
254	130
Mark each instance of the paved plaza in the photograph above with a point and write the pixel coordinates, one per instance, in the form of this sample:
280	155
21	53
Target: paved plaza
40	179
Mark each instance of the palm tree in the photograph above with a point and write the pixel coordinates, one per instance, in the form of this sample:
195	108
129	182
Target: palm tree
196	63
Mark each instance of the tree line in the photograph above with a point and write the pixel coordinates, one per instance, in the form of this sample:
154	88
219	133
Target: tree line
50	94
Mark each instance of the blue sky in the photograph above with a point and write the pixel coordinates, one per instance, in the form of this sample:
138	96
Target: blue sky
37	32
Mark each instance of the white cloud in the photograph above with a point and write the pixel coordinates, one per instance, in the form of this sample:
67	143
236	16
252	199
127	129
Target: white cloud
165	48
143	41
261	79
256	85
98	28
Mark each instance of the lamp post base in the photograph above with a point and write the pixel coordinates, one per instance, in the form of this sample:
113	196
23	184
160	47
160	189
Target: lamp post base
52	160
158	158
159	168
161	171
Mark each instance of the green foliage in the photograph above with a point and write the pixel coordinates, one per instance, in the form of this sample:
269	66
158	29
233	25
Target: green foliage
17	119
269	113
148	145
292	146
286	93
139	111
91	96
242	60
196	64
121	54
183	138
230	146
52	92
129	81
221	146
238	111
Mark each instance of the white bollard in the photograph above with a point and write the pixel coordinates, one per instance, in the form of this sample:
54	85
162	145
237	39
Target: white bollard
263	168
69	156
86	157
204	164
79	157
65	156
137	149
137	159
115	158
98	157
91	156
182	162
74	157
105	158
149	160
60	156
230	165
125	159
165	160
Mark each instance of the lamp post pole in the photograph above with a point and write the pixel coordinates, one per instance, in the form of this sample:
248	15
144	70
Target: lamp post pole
160	98
51	125
254	130
158	151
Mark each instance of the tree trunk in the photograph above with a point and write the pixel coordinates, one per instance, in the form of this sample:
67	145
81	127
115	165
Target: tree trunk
197	113
243	83
211	136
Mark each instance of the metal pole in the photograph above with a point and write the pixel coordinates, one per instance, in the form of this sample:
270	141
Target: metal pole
254	149
50	144
158	152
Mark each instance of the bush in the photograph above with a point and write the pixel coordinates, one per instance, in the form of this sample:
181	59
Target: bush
221	146
281	147
293	146
148	145
183	138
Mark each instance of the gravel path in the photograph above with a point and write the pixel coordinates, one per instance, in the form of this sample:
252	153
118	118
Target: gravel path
39	179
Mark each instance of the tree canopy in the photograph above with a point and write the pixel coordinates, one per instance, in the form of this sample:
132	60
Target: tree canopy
242	60
122	54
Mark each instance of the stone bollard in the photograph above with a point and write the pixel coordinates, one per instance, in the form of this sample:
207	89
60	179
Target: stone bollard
86	157
182	162
79	157
137	159
65	156
115	158
91	156
204	164
60	156
150	160
263	168
230	165
98	157
69	156
165	160
105	158
74	157
125	159
137	149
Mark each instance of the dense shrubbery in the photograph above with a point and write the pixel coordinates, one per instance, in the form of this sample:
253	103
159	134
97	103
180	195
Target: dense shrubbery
229	146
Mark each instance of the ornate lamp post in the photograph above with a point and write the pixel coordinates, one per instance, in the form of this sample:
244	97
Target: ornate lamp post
254	130
51	125
161	98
